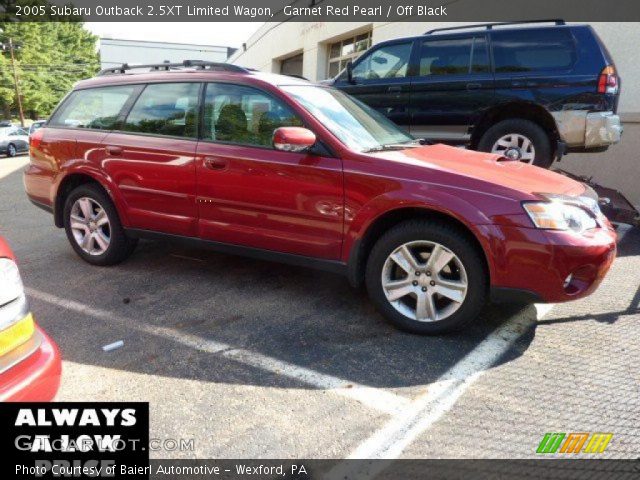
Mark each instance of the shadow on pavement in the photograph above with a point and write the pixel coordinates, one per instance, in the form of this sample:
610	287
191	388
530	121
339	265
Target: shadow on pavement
304	317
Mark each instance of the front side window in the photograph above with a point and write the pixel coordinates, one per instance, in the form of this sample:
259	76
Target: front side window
165	109
244	115
96	108
358	126
390	61
533	50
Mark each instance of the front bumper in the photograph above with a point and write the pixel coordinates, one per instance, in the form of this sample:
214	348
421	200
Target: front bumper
31	372
548	265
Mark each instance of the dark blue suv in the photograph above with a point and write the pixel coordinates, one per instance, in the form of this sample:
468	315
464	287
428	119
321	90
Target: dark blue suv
528	91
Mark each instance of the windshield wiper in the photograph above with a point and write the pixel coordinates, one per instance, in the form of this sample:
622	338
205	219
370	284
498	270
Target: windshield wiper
393	146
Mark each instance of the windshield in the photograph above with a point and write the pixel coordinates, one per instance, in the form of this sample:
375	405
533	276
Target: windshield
355	124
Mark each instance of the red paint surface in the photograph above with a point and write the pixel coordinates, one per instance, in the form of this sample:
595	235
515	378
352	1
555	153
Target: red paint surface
320	206
37	377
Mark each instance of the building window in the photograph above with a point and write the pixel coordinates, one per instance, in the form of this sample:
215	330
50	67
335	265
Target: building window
343	51
292	65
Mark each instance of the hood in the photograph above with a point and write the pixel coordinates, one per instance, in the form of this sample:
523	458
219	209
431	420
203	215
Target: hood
487	167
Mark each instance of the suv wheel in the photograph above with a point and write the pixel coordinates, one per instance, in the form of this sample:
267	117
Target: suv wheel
518	139
426	277
93	227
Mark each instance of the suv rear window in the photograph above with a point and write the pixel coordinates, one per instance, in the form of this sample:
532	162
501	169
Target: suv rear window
533	50
92	108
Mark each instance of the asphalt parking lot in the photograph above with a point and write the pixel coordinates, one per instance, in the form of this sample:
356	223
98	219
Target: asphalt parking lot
258	360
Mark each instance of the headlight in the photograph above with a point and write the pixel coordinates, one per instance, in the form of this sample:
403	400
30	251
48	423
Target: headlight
10	282
576	214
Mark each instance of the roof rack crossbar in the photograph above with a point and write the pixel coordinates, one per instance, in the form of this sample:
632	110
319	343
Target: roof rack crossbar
489	26
153	67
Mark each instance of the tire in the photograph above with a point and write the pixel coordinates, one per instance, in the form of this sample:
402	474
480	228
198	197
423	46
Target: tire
12	151
468	265
119	246
509	129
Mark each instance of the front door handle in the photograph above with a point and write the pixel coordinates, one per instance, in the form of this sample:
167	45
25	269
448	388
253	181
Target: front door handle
215	163
113	150
473	86
394	89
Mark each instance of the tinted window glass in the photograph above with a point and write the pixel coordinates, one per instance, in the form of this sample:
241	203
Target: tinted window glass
480	56
451	56
527	51
244	115
93	108
166	109
358	126
390	61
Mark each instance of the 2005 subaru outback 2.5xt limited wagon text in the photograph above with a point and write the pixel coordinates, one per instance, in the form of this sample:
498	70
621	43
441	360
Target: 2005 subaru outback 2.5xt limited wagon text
278	168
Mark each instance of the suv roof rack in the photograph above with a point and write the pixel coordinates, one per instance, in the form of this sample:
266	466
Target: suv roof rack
489	26
166	66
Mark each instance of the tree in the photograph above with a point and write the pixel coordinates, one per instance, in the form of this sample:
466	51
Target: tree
51	57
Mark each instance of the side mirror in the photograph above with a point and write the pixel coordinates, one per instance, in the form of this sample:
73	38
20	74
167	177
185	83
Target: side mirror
349	68
293	139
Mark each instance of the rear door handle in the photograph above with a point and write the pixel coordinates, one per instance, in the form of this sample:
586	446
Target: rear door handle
473	86
394	89
113	151
215	163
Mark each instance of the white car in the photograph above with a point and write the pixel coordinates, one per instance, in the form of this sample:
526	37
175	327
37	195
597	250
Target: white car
13	140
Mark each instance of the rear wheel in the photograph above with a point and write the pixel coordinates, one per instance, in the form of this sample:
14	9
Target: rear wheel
93	227
427	277
11	150
518	139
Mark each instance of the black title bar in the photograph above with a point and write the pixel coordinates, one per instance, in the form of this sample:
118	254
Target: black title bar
319	10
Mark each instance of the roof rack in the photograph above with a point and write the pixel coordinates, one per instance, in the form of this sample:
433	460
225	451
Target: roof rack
166	66
489	26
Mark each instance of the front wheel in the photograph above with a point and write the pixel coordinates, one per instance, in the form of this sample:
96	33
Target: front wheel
93	227
427	277
518	139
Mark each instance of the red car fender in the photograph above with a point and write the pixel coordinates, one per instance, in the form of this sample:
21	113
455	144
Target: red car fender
393	201
75	167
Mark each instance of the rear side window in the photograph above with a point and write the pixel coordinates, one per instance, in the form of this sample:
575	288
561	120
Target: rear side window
244	115
453	56
96	108
390	61
165	109
531	51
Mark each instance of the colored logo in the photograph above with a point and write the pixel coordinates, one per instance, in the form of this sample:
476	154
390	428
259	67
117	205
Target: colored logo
574	442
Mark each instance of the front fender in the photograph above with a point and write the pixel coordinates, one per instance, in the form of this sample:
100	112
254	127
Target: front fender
438	201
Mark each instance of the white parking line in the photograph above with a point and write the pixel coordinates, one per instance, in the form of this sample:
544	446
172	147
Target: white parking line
392	439
378	399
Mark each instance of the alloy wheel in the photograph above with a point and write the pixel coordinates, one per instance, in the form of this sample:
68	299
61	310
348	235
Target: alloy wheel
11	150
515	146
424	281
90	226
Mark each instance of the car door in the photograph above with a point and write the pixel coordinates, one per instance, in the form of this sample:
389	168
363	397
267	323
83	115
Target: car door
453	85
151	158
252	195
380	79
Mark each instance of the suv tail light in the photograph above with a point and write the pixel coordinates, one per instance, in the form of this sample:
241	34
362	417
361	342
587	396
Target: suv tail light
608	81
36	138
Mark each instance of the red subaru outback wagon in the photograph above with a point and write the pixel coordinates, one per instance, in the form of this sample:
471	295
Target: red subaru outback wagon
279	168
